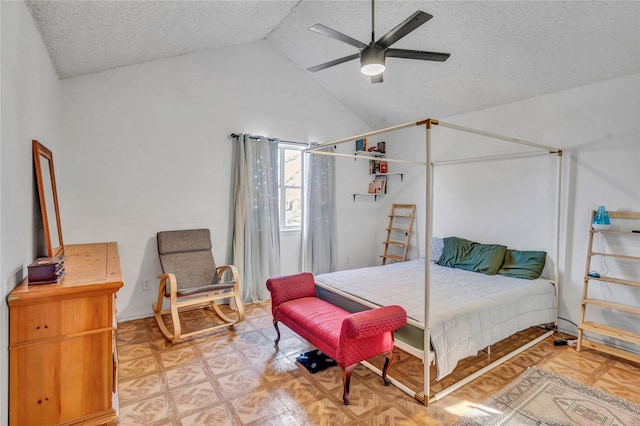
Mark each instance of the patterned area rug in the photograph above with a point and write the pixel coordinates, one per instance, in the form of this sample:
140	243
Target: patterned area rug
538	397
315	361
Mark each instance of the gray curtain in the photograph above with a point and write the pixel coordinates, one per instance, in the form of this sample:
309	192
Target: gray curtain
256	233
318	233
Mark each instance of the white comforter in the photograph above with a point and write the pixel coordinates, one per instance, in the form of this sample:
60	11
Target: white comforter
469	310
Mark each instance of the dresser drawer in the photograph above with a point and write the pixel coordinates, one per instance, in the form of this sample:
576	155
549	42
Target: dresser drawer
60	318
58	381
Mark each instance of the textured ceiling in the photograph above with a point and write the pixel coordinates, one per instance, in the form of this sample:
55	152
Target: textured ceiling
84	37
501	51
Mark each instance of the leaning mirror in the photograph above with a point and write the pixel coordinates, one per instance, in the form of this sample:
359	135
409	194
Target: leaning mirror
48	196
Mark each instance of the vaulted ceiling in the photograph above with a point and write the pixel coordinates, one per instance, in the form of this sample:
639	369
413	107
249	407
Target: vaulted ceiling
501	51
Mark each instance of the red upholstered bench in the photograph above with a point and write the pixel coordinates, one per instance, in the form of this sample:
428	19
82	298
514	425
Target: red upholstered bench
347	338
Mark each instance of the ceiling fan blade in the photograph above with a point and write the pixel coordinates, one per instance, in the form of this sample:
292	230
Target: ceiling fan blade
376	78
408	25
334	62
336	35
417	54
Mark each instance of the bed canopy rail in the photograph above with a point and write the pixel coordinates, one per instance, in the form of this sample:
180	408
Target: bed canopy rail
551	149
424	397
488	157
428	122
364	135
363	157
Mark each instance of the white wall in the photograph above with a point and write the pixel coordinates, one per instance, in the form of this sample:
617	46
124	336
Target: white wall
29	110
146	148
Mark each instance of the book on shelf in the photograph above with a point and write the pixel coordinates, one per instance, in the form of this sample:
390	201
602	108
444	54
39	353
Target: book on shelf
373	187
378	166
381	184
361	144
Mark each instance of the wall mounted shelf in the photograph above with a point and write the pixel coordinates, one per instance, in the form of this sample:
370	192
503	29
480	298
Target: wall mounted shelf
401	174
365	194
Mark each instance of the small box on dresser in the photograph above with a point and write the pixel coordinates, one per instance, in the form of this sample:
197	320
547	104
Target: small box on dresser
46	270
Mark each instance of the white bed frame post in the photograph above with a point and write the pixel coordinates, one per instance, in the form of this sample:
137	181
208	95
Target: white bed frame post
426	359
556	270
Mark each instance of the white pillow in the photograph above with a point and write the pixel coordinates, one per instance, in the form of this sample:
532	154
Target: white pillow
437	244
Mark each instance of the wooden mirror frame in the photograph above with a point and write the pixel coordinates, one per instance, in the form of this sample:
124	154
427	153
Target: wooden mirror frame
48	196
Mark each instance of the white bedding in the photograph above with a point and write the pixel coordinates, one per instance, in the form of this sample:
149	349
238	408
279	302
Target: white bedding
469	310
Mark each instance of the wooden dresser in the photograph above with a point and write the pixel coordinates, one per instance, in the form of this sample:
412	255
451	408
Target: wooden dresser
62	350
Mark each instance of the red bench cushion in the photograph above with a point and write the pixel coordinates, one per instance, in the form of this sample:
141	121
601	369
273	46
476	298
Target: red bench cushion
315	320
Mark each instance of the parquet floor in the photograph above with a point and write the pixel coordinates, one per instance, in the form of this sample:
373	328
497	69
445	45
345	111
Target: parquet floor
237	377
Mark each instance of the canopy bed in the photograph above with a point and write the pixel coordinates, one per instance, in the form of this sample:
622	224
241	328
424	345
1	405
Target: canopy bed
489	309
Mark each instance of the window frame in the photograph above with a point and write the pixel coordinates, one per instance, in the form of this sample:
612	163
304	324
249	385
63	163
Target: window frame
282	188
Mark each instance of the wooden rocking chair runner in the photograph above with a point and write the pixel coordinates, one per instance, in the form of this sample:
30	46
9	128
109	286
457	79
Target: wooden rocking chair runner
191	279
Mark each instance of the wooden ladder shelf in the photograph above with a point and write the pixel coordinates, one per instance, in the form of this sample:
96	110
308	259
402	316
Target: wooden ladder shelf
399	232
602	330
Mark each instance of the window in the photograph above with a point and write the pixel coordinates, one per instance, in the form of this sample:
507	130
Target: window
290	186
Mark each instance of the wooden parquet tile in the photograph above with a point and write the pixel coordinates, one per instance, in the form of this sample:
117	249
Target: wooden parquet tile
129	369
190	397
228	362
135	351
146	411
140	388
177	357
237	377
275	370
256	405
239	383
185	374
324	411
216	414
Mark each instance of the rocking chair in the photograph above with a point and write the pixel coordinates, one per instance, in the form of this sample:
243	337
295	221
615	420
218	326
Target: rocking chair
191	280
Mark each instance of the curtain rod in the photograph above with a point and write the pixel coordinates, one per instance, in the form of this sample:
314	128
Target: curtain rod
237	135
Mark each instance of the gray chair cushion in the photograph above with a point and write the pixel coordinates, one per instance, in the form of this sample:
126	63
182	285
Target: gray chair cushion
184	241
195	290
187	254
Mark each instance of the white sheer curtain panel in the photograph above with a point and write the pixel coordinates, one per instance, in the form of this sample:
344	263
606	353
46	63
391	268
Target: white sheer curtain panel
318	233
256	233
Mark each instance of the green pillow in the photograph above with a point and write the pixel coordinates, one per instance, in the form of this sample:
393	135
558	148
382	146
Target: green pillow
464	254
523	264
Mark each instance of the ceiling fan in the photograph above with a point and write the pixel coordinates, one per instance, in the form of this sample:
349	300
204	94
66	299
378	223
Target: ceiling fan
372	56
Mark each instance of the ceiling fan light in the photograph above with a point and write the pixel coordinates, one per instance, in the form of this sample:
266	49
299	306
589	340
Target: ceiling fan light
372	60
372	69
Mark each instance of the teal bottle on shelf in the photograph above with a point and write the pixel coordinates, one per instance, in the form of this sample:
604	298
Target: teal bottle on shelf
601	220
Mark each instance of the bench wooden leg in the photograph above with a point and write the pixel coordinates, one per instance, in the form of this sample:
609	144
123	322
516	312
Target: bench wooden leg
387	361
275	325
346	380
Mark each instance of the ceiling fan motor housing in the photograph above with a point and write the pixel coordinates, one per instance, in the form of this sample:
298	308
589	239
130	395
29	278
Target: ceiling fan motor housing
372	60
372	56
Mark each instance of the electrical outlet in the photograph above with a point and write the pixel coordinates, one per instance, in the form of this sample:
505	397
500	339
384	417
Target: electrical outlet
347	260
146	285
